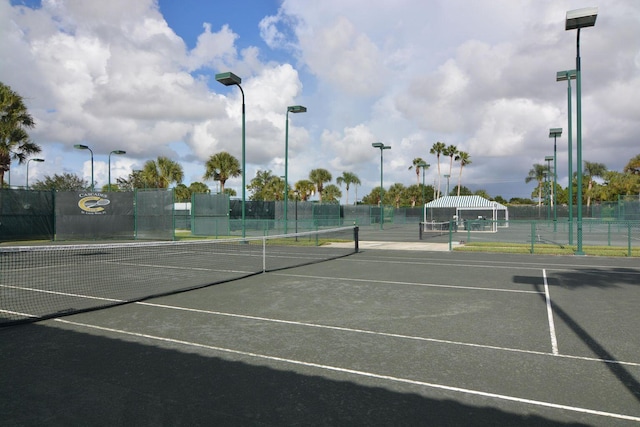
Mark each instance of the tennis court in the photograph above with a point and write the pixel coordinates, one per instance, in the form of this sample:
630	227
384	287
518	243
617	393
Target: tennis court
379	337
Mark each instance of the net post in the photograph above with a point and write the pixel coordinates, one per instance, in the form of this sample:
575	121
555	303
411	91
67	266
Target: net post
420	230
450	235
356	230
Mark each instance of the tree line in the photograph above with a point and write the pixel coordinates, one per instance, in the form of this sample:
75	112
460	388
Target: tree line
598	183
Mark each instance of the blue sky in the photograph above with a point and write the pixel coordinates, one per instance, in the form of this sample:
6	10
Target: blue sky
138	76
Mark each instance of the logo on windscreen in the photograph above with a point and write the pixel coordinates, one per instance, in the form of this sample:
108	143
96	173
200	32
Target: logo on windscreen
93	203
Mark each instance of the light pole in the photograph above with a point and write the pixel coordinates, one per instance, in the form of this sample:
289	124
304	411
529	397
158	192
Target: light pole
447	176
423	166
290	109
85	147
382	147
551	182
555	133
113	152
575	20
569	75
230	79
35	160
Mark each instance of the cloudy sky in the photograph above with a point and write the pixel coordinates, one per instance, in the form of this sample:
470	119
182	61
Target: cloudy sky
138	76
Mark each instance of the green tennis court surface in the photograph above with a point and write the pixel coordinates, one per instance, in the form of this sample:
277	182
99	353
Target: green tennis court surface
376	338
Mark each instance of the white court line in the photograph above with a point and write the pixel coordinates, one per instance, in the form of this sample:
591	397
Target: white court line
552	328
484	264
393	282
383	334
538	403
66	294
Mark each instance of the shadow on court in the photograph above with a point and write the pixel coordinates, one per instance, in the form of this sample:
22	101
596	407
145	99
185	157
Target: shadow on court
595	278
53	376
599	278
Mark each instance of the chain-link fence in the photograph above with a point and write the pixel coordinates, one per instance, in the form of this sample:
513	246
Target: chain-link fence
614	234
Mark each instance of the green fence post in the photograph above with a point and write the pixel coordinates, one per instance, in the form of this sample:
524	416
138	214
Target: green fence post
533	235
609	234
135	214
629	238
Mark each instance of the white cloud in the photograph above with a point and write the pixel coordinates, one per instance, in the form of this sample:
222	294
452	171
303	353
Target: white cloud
408	73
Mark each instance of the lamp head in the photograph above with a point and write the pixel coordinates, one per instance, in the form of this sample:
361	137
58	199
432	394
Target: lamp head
228	79
548	158
565	75
81	146
377	145
555	132
119	152
38	160
581	18
297	109
423	165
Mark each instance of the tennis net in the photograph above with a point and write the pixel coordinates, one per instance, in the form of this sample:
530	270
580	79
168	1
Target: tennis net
40	282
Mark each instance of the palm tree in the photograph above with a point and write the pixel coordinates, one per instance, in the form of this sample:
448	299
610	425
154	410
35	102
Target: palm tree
464	159
416	164
319	177
305	189
348	178
14	122
331	193
450	151
394	194
537	174
259	185
591	170
222	166
162	173
633	166
437	149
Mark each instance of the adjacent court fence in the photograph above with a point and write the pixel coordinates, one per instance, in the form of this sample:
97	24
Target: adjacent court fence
153	215
612	236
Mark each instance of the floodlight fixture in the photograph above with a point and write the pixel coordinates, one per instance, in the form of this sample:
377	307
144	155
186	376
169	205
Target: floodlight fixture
555	132
581	18
228	79
562	76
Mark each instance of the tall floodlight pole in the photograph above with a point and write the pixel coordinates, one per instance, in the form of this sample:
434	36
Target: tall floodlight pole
382	147
113	152
555	133
575	20
290	109
34	160
569	75
423	165
84	147
551	182
230	79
